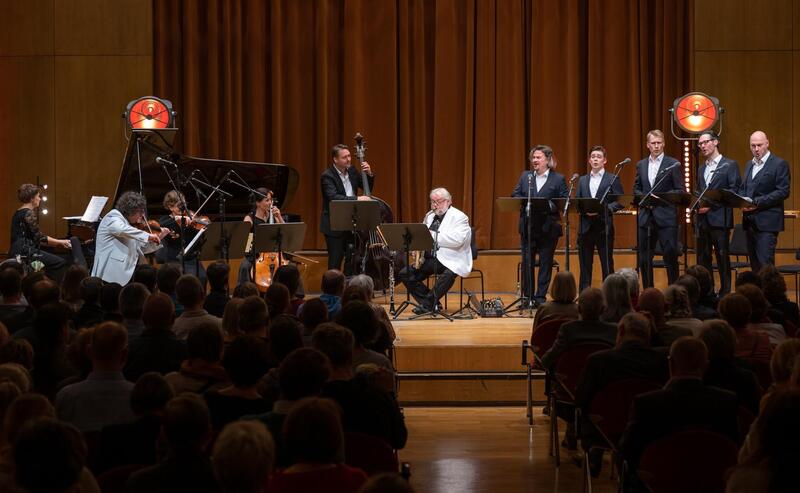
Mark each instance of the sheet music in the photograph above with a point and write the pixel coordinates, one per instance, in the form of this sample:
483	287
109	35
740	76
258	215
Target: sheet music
194	240
93	210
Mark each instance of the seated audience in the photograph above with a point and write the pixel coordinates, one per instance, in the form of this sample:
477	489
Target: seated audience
278	299
254	318
191	296
217	274
563	291
653	302
14	313
616	293
71	286
313	314
386	335
48	339
679	310
706	297
148	275
157	349
230	319
18	374
735	309
747	277
202	370
17	351
109	302
8	392
90	313
759	321
692	286
44	292
359	318
186	429
78	357
313	436
167	278
289	276
245	289
774	286
784	365
244	454
104	397
284	337
332	290
131	304
632	278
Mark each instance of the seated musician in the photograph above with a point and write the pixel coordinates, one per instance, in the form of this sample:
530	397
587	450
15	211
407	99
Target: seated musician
119	245
452	235
180	218
264	212
27	238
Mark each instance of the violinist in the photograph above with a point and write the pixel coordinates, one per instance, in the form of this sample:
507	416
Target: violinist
119	244
264	211
184	226
27	239
341	182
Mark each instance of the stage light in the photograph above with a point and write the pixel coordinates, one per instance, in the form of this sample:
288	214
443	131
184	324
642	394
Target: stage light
150	112
696	112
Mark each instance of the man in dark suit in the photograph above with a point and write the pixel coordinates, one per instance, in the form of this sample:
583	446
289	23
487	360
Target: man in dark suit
541	182
657	219
592	228
685	402
766	182
341	182
714	223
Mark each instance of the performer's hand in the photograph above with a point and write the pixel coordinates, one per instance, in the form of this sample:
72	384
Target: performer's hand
153	238
365	167
364	197
703	210
592	214
276	213
65	244
748	209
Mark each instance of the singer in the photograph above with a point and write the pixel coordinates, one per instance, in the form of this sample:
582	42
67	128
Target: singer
592	233
264	212
714	223
539	227
658	219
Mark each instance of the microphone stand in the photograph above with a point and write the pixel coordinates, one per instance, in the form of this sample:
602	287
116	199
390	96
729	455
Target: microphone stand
606	213
182	223
527	302
256	195
566	219
223	196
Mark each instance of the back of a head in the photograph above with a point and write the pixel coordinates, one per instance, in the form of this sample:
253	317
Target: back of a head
29	281
8	392
336	342
313	432
253	315
634	326
244	454
563	288
132	299
109	343
688	356
289	276
387	482
246	360
773	284
278	299
735	309
333	282
148	275
205	342
691	285
109	297
302	373
360	319
353	293
747	277
23	410
314	312
652	300
167	277
230	317
591	303
284	336
758	302
704	279
70	285
50	323
783	360
150	394
719	338
632	278
90	290
15	372
617	295
49	456
43	293
778	435
158	312
186	422
677	299
189	291
217	274
245	290
10	284
18	351
364	282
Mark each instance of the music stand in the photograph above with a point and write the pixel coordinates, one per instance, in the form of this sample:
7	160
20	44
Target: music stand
279	237
406	237
727	198
354	216
233	234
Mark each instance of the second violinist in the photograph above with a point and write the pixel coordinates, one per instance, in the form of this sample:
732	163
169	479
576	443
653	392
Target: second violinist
180	218
264	212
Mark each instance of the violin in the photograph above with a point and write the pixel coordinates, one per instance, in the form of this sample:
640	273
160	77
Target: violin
192	221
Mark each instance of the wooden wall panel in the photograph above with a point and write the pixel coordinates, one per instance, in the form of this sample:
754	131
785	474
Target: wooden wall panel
27	27
90	141
743	25
100	27
26	132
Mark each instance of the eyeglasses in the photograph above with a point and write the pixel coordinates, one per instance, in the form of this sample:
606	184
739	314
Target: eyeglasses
438	202
703	142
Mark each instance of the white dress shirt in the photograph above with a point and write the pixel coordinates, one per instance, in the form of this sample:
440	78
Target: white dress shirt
759	165
345	177
594	182
711	165
541	180
652	168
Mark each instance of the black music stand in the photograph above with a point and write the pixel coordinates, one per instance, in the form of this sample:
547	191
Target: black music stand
727	198
406	237
354	216
279	238
225	241
538	206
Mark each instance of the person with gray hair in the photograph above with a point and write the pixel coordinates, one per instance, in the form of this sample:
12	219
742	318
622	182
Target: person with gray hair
632	277
119	245
451	234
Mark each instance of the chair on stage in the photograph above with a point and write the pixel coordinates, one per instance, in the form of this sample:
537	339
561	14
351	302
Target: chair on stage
738	249
556	266
542	338
474	274
793	270
658	263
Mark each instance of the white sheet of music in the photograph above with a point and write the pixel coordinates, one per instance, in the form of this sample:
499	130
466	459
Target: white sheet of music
93	210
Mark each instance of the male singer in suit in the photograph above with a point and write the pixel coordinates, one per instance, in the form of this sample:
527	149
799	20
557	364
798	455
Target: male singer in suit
714	223
657	219
541	182
341	182
766	182
452	239
592	226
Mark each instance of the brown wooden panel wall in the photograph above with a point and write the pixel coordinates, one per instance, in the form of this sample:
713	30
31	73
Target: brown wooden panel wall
748	55
67	70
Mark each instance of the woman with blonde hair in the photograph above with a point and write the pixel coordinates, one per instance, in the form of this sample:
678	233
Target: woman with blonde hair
563	291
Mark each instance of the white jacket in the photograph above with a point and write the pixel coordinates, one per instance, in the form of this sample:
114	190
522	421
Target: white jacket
118	246
454	237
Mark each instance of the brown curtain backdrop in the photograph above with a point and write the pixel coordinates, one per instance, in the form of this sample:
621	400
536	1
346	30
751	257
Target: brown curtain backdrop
446	92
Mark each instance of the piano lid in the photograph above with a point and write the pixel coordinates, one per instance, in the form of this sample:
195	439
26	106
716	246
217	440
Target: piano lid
147	144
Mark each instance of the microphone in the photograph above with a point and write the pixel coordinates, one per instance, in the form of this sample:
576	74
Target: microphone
624	162
574	177
675	165
161	160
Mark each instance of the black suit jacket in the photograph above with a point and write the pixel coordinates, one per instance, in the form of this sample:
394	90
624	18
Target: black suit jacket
665	215
544	223
769	189
585	192
726	179
682	404
579	332
333	189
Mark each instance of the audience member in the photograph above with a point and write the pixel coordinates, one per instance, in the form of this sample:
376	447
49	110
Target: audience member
775	293
289	276
245	290
706	297
131	304
359	318
48	338
158	348
692	287
18	374
104	397
71	286
202	371
747	277
784	364
735	309
617	297
230	319
191	295
632	278
284	337
384	340
679	309
24	410
8	392
759	321
90	313
28	282
332	290
217	275
14	313
313	314
563	292
244	454
148	275
254	318
109	301
654	303
17	351
167	278
78	357
44	292
278	299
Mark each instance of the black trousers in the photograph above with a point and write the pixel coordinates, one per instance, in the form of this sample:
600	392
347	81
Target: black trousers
760	247
719	240
668	240
413	279
543	247
588	242
340	249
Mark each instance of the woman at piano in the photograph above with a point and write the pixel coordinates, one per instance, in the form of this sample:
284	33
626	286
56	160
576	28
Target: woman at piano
27	239
180	216
263	211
